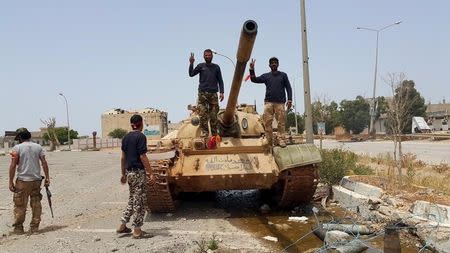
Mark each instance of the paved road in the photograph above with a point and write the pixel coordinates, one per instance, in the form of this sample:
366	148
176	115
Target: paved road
427	151
88	201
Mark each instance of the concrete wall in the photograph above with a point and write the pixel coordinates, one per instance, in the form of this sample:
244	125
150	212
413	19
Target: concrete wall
122	120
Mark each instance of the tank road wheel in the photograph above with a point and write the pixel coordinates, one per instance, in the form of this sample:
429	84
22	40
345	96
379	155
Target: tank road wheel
160	195
296	186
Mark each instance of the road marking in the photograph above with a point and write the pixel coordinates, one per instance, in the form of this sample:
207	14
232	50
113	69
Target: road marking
177	232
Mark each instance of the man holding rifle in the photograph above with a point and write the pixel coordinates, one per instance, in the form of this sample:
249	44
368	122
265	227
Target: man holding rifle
25	159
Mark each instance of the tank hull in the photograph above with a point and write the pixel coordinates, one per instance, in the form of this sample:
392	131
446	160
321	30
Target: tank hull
290	176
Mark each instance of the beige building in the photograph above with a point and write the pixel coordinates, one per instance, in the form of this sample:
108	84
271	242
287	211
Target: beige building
438	116
155	121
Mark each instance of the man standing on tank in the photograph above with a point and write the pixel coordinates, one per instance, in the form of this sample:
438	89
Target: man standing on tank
135	169
25	158
277	84
210	82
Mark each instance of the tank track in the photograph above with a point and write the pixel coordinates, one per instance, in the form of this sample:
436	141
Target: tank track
298	185
159	195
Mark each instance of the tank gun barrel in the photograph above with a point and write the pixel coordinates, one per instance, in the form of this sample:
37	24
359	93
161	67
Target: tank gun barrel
246	41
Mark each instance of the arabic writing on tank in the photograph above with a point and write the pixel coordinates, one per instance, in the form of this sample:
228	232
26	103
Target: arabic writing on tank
228	163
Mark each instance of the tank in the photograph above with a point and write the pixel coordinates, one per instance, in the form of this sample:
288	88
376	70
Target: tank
239	159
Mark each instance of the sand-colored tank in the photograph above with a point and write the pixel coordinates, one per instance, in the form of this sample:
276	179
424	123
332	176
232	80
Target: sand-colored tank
241	159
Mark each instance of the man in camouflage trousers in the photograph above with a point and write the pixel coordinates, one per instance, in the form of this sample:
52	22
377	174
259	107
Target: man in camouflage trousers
135	169
25	158
277	84
210	82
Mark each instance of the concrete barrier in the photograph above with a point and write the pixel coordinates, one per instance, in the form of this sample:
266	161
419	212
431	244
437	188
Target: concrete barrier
361	188
431	211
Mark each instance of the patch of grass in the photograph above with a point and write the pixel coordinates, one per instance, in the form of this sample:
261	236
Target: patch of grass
437	183
441	168
410	174
385	159
207	244
361	169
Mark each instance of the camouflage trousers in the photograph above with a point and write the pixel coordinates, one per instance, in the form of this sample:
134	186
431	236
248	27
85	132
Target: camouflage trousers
208	107
272	110
137	201
25	190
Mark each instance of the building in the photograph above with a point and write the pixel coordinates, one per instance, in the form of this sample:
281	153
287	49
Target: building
438	115
155	121
8	139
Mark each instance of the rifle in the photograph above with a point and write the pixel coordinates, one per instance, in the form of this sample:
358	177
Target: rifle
49	198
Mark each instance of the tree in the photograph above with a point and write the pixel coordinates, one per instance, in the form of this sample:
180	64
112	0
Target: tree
416	103
406	103
382	107
355	114
61	134
324	111
118	133
50	134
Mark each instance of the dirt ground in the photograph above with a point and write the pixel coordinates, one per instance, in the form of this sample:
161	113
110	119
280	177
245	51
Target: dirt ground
88	201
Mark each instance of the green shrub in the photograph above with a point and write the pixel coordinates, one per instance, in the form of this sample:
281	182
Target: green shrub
118	133
361	169
336	163
205	245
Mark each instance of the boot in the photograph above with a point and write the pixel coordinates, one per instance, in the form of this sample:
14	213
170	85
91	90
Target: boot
123	229
34	230
18	230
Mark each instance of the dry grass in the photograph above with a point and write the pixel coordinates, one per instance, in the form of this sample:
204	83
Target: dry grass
417	174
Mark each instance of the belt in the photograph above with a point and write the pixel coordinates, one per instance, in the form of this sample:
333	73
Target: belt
135	169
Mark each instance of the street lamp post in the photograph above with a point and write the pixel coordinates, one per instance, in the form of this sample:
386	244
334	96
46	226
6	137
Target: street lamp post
67	113
373	104
215	52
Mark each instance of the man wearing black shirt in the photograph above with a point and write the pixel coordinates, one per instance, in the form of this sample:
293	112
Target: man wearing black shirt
135	166
210	82
277	84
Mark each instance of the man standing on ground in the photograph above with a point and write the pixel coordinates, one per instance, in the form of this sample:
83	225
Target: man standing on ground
135	166
25	157
210	82
277	84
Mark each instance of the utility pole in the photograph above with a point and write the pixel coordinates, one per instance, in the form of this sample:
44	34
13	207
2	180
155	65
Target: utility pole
306	86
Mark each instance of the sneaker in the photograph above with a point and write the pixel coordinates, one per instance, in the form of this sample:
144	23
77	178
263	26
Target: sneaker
137	233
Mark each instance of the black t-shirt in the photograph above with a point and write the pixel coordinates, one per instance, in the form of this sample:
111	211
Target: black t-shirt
277	84
134	144
210	77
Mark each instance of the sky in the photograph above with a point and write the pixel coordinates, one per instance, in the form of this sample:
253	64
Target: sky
109	54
